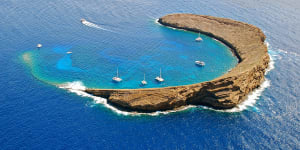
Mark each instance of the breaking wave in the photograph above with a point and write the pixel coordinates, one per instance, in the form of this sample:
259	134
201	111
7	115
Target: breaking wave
254	95
156	21
249	102
78	88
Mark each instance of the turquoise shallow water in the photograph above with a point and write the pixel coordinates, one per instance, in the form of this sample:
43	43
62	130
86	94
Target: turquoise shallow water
174	51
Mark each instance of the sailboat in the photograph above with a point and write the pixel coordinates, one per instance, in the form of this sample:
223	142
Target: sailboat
144	82
117	78
198	39
159	78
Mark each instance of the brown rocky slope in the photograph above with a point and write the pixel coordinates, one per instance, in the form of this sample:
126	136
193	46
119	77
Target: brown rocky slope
232	88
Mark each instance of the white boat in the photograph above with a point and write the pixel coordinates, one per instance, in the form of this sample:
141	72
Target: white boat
144	82
117	78
200	63
82	20
69	52
159	78
39	45
198	39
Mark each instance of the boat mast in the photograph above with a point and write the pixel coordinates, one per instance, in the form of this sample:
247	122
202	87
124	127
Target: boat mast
144	77
160	73
118	72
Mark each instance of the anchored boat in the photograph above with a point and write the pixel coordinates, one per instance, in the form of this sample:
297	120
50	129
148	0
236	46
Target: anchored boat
200	63
117	78
159	78
198	39
144	82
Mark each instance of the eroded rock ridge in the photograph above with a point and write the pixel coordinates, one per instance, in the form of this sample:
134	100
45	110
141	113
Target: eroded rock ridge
246	42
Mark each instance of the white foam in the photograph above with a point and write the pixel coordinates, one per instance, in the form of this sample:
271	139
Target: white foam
251	99
272	59
282	51
249	102
156	21
76	85
290	53
78	88
92	25
271	65
254	95
267	44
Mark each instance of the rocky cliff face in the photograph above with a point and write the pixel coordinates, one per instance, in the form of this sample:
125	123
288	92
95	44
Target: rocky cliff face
246	42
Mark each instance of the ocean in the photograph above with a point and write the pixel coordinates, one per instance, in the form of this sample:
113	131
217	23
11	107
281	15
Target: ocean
42	107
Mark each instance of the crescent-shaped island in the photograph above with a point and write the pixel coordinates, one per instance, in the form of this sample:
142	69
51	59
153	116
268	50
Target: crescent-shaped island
246	42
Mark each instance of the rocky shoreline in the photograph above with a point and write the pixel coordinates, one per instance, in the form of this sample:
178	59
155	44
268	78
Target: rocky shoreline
245	40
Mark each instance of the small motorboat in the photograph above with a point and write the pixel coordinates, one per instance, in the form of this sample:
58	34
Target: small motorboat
200	63
159	78
144	82
39	45
69	52
117	78
82	20
198	39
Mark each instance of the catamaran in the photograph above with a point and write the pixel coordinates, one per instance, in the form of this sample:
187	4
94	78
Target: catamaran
159	78
117	78
144	82
198	39
200	63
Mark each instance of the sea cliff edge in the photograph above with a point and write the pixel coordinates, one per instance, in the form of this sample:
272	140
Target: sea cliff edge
246	42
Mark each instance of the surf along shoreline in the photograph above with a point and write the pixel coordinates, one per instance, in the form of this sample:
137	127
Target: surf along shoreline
246	42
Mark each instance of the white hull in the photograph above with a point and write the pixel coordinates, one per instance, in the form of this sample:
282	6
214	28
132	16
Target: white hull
199	39
116	79
144	82
200	63
159	79
39	45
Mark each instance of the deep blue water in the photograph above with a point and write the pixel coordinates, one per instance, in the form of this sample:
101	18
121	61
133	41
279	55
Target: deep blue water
37	115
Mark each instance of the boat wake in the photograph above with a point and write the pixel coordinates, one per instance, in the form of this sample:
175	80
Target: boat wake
92	25
282	51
